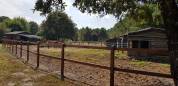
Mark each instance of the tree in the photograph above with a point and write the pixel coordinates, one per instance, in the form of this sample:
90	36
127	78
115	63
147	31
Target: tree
85	34
17	24
88	34
33	27
58	26
169	13
145	16
3	18
103	35
2	30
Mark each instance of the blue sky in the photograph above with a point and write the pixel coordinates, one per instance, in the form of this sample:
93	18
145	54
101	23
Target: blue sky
23	8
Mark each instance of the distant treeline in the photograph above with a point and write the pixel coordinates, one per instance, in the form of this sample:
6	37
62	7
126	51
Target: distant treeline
88	34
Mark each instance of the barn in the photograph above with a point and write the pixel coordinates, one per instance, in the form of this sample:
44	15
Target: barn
152	38
22	36
148	38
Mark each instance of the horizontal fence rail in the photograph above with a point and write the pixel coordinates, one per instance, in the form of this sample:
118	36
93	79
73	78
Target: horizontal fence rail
18	45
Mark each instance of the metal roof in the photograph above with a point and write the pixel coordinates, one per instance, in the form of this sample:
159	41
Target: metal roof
16	32
137	32
30	36
145	30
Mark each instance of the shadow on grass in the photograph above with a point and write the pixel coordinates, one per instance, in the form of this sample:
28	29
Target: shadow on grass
156	59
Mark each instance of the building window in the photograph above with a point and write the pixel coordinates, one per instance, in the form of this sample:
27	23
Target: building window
135	44
140	44
144	44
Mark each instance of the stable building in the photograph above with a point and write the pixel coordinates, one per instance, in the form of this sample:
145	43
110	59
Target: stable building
148	38
22	36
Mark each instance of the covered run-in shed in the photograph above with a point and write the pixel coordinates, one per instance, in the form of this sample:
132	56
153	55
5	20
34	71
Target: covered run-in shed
152	38
148	38
22	36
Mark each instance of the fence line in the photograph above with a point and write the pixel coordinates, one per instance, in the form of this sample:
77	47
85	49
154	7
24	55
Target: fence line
9	45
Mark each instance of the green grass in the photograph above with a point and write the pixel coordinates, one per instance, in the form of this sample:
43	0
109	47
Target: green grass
95	55
86	55
165	65
140	63
121	54
9	66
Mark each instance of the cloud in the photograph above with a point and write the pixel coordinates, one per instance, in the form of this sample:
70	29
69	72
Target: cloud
23	8
91	20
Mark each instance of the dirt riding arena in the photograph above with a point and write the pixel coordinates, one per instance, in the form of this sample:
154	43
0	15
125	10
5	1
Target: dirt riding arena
50	61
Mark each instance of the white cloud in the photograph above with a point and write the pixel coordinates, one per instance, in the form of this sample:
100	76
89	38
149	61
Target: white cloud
23	8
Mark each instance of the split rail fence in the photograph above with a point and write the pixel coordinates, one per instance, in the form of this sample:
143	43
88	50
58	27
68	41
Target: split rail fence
13	46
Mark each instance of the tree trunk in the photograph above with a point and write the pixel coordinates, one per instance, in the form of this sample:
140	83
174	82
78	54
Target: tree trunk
169	13
173	54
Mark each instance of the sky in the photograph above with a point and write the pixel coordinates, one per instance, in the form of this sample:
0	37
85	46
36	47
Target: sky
23	8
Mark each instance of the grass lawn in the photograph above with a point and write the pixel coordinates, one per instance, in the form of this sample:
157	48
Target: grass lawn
79	54
14	73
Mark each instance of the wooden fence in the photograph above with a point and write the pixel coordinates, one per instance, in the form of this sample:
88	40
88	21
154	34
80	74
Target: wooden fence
12	45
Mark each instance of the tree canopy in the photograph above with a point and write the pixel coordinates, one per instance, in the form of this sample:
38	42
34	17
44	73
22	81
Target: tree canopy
148	15
17	24
3	18
33	27
58	26
88	34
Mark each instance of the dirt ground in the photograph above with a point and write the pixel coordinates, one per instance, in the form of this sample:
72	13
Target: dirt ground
100	77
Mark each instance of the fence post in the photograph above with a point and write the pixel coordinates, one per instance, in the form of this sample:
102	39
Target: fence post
5	43
2	44
48	44
8	46
20	49
13	47
38	55
16	47
112	66
27	51
62	61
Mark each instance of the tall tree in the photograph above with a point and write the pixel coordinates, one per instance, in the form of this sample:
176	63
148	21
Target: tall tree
17	24
103	35
169	12
33	27
3	18
58	26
